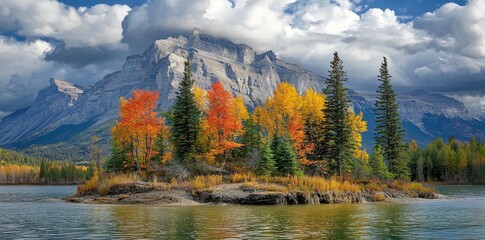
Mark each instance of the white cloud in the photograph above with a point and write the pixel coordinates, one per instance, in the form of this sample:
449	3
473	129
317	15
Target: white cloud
431	52
21	71
439	51
98	25
474	103
48	25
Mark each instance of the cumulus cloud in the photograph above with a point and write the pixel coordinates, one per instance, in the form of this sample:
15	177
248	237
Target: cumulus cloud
439	51
45	38
442	50
21	71
95	26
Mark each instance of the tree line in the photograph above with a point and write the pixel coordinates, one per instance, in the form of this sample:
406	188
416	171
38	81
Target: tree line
212	131
19	168
451	162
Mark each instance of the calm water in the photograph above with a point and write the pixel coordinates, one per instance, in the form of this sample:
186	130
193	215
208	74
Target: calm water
36	212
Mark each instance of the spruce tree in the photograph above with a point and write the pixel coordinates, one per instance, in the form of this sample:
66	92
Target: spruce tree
116	159
377	163
337	141
285	158
161	147
388	131
266	165
185	120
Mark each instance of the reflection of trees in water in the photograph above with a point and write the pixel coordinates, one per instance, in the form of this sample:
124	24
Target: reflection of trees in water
185	222
306	221
390	222
344	221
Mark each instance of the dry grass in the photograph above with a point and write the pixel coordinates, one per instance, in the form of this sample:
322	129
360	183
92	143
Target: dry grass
379	197
88	187
318	184
164	186
411	186
376	186
102	186
265	186
204	182
242	177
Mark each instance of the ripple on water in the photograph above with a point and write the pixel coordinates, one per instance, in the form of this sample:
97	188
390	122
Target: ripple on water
31	212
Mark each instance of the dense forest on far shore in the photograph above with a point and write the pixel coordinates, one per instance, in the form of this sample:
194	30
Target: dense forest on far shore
452	162
19	168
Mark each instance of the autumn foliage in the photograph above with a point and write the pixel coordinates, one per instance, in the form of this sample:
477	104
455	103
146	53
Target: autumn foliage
223	122
138	127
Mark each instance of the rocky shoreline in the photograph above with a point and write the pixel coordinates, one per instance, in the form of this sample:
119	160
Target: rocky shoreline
237	193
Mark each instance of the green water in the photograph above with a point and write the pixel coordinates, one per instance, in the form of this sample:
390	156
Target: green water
35	212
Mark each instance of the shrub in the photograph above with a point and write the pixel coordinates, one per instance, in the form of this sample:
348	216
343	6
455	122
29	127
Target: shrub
104	185
379	197
204	182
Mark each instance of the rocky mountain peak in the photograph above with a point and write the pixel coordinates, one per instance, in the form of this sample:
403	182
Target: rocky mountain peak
66	87
222	46
61	89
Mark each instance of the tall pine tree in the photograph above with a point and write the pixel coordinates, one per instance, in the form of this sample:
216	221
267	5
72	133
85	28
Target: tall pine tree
388	131
185	120
337	143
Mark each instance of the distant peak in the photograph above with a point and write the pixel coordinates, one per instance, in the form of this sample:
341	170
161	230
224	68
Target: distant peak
271	55
65	86
195	32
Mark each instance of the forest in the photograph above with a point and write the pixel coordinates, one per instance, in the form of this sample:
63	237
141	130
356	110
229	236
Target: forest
212	132
19	168
453	161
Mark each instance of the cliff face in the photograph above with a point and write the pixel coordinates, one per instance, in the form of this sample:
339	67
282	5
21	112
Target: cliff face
64	113
51	102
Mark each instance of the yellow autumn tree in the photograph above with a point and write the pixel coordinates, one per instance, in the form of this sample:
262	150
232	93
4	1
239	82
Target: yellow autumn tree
281	109
359	126
200	96
312	106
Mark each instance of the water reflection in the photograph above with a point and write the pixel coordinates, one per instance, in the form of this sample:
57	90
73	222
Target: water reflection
283	222
29	217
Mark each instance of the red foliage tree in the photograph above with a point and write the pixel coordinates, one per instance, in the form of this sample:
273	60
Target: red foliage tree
221	119
138	126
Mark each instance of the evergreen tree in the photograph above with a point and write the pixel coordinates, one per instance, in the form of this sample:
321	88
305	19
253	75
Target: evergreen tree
378	165
266	164
285	158
161	147
275	142
388	131
186	119
337	144
116	159
401	167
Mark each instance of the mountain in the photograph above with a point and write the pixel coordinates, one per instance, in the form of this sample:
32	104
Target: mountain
425	116
65	116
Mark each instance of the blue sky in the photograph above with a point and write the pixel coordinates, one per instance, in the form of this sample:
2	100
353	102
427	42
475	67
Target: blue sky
435	45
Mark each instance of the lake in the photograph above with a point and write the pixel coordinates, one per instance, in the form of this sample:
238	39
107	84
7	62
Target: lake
36	212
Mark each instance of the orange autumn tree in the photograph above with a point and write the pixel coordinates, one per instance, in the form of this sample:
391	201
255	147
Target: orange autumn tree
138	127
223	124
